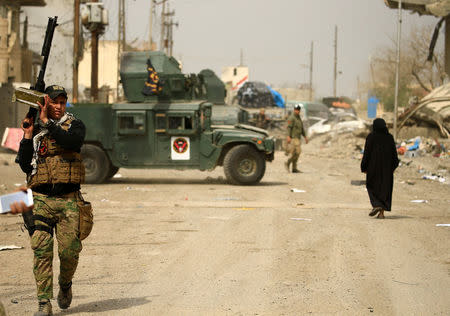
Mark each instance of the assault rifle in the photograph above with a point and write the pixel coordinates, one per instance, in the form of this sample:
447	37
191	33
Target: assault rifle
34	94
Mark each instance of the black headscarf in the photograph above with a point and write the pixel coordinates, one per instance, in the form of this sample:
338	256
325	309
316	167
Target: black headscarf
379	126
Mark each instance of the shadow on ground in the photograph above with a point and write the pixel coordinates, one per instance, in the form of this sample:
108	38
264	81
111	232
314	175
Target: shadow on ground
396	216
106	305
171	181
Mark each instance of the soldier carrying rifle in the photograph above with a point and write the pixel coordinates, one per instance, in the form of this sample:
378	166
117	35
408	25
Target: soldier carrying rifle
49	154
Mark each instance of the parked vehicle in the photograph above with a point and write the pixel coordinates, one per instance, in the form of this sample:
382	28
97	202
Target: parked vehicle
171	130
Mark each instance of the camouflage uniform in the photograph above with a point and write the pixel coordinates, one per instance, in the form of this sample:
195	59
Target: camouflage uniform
295	131
64	212
52	162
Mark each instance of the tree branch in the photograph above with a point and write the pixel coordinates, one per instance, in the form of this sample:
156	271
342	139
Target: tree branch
416	76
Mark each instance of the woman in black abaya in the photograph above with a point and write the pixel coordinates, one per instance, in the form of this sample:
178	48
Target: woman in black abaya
379	163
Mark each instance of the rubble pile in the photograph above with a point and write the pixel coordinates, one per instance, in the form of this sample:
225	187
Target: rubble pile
420	146
433	111
339	146
421	159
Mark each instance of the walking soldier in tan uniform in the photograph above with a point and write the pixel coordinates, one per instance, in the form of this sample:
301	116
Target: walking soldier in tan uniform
296	130
50	156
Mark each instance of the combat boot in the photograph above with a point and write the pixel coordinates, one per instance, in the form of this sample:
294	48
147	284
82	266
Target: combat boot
45	309
65	296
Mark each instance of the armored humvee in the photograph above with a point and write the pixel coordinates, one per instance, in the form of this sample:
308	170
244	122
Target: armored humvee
172	130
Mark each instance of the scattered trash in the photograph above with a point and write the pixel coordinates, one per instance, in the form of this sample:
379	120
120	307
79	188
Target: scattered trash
401	150
117	175
227	198
244	209
434	178
10	247
104	200
358	182
419	201
443	225
14	301
129	188
297	190
336	174
410	182
300	219
416	144
18	184
412	153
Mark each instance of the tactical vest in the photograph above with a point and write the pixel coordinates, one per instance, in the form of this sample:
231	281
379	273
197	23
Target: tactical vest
56	164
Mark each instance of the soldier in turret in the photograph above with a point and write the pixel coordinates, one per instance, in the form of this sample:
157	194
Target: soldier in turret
49	154
296	130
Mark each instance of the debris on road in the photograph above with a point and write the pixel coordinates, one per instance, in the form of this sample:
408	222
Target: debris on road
300	219
435	178
443	225
10	247
419	201
294	190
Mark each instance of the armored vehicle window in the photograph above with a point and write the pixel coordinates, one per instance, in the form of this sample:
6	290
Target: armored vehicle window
175	122
188	122
181	122
131	123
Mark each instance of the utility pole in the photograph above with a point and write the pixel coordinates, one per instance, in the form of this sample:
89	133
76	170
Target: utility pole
76	49
397	72
25	33
163	25
168	41
335	60
120	41
94	65
311	72
170	26
150	31
241	63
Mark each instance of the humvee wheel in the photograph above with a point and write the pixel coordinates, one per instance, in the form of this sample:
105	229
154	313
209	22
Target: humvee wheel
244	165
112	171
96	163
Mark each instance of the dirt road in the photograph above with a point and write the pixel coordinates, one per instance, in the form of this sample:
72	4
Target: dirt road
186	243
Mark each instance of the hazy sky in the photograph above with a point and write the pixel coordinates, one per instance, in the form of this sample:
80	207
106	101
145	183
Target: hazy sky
274	35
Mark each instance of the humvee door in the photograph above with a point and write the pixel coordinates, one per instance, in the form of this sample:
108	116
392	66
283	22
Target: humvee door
177	138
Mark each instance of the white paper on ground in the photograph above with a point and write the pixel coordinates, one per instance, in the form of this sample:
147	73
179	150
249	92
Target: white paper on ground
419	201
9	247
